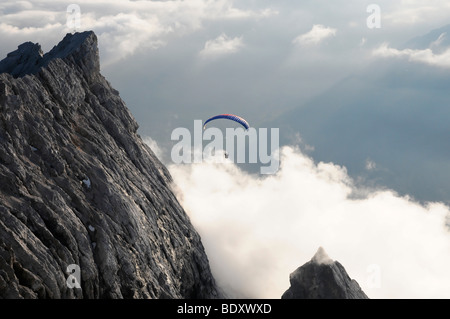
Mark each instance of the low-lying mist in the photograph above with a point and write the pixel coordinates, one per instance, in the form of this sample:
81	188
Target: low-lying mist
258	229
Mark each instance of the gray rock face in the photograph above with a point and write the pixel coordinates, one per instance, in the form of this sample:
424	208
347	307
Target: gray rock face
322	278
78	186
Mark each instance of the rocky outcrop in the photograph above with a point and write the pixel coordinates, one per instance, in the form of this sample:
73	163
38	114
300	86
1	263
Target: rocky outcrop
79	188
322	278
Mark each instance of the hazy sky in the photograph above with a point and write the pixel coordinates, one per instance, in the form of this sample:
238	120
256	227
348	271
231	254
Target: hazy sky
360	110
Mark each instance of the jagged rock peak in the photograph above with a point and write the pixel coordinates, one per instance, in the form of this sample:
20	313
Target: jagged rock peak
321	257
78	49
322	278
79	189
27	56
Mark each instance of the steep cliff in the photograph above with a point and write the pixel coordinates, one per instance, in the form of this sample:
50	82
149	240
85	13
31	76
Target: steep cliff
322	278
80	190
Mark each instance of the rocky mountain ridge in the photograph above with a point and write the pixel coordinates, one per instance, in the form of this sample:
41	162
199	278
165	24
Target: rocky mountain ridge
80	190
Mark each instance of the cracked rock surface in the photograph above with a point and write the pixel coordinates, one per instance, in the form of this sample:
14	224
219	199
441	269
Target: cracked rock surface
79	187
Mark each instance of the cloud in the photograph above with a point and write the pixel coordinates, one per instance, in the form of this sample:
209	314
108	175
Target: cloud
222	45
157	150
122	26
414	12
439	40
370	165
362	42
14	6
257	230
426	56
317	34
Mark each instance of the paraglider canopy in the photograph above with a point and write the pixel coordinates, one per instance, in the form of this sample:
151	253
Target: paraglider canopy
232	117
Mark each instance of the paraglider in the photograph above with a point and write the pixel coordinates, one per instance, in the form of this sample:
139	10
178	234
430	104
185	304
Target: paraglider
232	117
242	145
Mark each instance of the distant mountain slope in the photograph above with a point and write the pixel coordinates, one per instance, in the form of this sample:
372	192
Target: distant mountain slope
393	113
435	39
78	187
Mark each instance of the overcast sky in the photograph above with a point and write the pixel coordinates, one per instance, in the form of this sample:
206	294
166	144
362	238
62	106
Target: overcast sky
368	101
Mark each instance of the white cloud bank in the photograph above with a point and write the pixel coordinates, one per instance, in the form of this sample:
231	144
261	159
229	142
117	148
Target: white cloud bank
222	45
317	34
426	56
257	230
